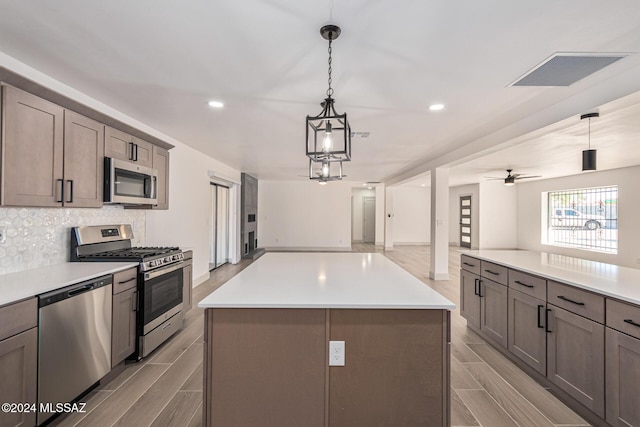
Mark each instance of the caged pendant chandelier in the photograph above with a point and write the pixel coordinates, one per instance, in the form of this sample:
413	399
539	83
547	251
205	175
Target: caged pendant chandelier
328	133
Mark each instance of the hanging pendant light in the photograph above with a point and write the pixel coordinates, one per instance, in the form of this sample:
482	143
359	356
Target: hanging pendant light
328	133
589	156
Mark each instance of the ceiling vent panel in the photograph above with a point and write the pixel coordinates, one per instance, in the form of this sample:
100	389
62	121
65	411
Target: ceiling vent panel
564	69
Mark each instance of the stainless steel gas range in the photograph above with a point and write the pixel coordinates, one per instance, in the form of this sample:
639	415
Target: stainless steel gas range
160	279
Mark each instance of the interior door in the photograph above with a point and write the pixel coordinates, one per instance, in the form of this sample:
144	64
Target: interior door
369	219
465	221
212	231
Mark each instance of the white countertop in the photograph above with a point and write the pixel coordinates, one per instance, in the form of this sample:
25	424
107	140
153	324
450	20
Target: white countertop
325	280
618	282
24	284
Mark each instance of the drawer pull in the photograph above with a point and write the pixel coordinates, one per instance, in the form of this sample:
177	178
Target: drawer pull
469	265
631	322
570	300
127	281
492	272
523	284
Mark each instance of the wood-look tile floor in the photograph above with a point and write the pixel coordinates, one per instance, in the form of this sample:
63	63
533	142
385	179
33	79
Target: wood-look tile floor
165	389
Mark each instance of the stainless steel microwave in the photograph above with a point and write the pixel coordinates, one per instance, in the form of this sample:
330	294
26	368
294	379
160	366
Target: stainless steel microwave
128	183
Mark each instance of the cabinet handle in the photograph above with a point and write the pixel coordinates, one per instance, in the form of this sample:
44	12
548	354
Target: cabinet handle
480	288
61	181
70	181
134	301
631	322
522	284
131	144
475	286
468	265
546	320
136	159
492	272
540	316
570	300
127	281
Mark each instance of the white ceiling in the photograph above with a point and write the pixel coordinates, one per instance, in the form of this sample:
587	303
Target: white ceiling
161	61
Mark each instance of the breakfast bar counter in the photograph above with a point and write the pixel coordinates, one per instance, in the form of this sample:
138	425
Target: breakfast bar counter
267	353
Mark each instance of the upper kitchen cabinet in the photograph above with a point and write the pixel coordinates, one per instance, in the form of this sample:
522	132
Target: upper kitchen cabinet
52	156
121	145
83	165
161	164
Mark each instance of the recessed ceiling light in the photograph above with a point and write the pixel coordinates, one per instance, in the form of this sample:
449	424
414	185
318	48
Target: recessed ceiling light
436	107
423	185
369	188
216	104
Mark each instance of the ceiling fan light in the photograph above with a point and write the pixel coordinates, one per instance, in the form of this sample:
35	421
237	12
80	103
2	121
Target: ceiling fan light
510	180
589	160
509	184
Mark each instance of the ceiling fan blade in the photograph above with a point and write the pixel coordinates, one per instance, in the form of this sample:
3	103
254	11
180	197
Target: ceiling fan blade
492	177
530	176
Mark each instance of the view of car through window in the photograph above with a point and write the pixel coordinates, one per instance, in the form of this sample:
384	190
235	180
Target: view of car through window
585	218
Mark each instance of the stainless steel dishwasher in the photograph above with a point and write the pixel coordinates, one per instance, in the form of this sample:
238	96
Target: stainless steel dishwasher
74	338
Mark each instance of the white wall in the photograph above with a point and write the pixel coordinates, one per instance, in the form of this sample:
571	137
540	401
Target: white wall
188	220
304	215
530	213
454	213
412	215
357	194
497	216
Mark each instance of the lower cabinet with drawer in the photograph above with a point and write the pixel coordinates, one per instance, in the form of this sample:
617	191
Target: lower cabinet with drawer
123	330
483	303
18	360
623	364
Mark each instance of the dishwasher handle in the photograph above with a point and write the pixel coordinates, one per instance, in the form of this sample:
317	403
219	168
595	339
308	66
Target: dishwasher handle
80	290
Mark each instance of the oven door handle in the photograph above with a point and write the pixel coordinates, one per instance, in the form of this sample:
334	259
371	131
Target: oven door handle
156	273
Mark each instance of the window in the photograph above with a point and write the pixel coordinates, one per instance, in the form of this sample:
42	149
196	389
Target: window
586	218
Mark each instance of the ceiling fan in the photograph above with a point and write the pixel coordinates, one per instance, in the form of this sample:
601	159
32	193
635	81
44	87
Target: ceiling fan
512	178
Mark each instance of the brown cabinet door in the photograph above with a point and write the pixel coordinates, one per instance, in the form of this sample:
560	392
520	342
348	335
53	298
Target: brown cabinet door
18	370
469	300
161	164
123	332
623	379
493	311
575	357
143	154
117	144
32	147
83	161
527	336
187	277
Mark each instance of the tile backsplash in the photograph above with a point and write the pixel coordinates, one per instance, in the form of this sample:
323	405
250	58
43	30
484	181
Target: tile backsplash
37	237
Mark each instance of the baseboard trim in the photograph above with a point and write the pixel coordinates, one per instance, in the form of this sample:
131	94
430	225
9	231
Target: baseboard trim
200	280
411	243
438	276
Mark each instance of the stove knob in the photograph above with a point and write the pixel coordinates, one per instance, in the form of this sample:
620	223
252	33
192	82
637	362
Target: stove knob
152	263
168	259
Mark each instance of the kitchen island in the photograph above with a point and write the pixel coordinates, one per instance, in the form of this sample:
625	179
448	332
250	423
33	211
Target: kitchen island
267	352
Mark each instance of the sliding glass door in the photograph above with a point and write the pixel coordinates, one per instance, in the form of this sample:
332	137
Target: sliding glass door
219	239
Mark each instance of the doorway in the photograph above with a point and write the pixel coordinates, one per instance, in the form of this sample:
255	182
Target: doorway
219	238
465	221
369	219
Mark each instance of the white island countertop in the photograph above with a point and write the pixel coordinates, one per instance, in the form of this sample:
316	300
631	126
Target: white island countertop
24	284
325	280
611	280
